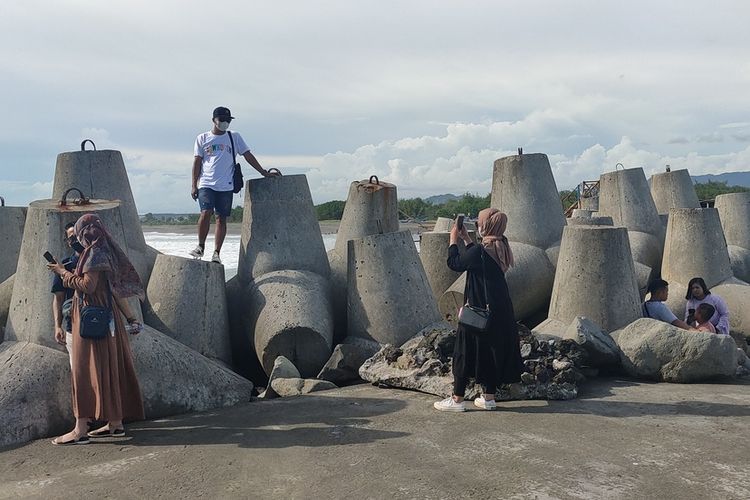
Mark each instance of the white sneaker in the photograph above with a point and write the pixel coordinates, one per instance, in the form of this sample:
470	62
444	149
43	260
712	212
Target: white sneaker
484	404
197	252
216	258
449	404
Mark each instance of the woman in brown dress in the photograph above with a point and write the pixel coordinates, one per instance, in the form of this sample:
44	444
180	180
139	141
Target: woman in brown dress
105	386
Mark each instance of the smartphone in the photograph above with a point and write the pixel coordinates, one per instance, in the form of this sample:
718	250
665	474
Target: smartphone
49	258
460	221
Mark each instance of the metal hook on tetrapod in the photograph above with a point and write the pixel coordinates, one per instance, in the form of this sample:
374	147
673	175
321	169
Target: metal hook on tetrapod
78	201
83	144
377	181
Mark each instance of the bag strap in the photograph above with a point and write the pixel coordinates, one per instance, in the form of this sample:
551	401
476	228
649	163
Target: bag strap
484	281
234	156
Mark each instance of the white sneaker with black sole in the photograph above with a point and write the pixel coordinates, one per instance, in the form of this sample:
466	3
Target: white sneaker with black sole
196	253
449	404
216	258
485	404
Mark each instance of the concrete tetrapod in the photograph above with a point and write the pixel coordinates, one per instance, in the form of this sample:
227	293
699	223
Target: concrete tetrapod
186	300
12	220
673	189
531	266
687	256
102	175
595	278
30	317
371	208
523	187
389	298
734	212
433	252
280	229
625	196
6	294
289	314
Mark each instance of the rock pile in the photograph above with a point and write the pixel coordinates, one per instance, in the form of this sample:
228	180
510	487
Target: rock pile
424	363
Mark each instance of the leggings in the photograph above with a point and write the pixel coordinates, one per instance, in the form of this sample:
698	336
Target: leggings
460	383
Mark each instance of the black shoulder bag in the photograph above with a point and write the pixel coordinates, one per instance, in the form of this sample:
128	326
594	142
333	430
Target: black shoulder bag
476	318
95	319
237	179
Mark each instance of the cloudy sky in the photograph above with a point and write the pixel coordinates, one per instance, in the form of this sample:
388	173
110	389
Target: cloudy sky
425	94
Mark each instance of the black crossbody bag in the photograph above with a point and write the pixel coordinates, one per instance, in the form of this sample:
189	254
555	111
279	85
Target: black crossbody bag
95	319
238	180
474	318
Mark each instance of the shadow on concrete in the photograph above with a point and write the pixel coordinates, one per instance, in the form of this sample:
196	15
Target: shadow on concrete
593	400
309	420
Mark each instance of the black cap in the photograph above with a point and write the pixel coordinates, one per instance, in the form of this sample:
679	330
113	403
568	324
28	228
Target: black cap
222	111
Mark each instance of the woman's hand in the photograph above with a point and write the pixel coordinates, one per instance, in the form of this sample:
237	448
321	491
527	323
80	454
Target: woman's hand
135	326
454	235
56	268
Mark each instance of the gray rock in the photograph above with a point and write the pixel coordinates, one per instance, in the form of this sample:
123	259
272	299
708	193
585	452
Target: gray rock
282	368
286	387
600	349
656	350
343	365
424	363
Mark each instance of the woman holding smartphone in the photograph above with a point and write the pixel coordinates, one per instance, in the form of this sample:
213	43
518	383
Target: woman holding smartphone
105	386
491	357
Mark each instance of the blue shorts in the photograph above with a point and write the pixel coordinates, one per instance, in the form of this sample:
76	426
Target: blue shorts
218	201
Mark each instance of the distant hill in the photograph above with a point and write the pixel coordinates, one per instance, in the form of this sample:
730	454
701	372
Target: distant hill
731	178
439	199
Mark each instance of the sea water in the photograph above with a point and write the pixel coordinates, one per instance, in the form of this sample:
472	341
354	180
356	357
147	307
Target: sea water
180	244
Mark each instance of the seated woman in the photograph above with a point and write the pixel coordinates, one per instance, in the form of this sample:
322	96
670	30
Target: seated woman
702	316
697	294
655	307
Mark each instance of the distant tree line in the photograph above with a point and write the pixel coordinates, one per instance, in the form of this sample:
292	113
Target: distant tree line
419	209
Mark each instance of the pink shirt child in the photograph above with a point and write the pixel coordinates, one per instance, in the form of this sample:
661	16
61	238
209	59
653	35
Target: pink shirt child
707	327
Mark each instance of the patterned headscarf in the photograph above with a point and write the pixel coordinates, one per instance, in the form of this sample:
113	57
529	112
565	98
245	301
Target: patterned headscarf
493	222
102	253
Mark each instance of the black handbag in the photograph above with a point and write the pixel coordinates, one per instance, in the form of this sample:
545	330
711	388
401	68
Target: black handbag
238	180
475	318
95	320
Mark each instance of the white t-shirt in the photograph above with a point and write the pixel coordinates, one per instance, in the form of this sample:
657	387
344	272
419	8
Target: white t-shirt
216	150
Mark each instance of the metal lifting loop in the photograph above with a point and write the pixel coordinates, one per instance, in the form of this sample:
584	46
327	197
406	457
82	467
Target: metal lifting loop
619	165
83	144
2	201
80	201
271	170
377	181
520	151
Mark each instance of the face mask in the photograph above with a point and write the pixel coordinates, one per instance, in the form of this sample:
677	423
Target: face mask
223	126
76	245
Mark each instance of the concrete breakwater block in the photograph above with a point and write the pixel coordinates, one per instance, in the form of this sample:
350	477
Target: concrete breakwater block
30	314
102	175
523	187
625	196
734	212
695	246
12	220
371	208
433	253
673	189
593	220
175	379
389	298
6	294
186	300
280	229
34	392
595	278
529	281
289	314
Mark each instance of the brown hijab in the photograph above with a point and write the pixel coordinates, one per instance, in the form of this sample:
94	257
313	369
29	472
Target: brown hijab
102	253
493	222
